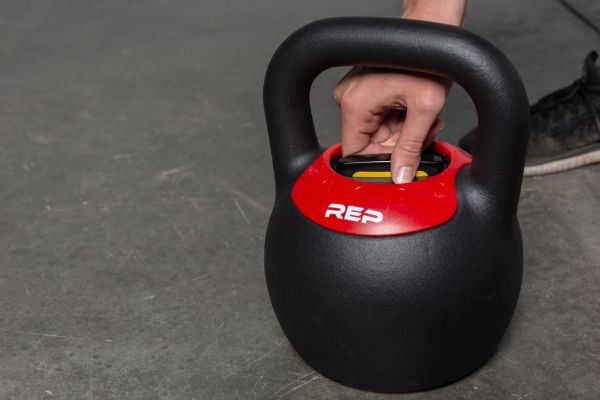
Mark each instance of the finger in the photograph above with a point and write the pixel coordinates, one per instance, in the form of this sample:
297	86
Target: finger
361	118
435	130
343	83
376	148
382	134
395	119
407	151
394	122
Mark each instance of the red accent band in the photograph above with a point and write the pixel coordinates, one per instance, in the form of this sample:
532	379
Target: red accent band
373	209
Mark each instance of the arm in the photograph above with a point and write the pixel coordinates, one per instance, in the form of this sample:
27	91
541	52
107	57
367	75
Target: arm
391	111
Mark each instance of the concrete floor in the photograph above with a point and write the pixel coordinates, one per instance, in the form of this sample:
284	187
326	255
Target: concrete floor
136	185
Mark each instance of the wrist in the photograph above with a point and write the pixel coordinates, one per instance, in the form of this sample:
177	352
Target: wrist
450	12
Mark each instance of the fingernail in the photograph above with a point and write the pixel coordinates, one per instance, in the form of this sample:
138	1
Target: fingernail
404	175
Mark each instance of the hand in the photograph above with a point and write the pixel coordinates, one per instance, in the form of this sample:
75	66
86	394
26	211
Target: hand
389	111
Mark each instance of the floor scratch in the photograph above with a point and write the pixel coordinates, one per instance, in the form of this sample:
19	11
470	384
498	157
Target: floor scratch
166	175
239	207
286	386
256	383
510	360
24	285
49	335
521	396
238	193
266	354
41	335
126	258
594	355
179	233
314	378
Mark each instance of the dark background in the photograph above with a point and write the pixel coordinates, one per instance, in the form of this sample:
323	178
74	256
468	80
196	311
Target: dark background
136	183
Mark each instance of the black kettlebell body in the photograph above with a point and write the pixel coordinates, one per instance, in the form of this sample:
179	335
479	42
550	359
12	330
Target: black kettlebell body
386	292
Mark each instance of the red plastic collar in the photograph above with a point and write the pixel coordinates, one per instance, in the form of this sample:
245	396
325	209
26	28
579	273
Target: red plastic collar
371	209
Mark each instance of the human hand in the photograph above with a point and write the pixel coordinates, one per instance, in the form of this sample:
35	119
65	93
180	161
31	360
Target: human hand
389	111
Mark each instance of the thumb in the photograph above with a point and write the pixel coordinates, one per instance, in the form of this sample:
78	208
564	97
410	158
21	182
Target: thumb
407	150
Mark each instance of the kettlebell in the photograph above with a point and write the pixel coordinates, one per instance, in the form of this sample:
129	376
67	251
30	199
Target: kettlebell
394	287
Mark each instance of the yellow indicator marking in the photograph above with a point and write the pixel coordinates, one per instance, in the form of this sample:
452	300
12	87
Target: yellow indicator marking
372	174
386	174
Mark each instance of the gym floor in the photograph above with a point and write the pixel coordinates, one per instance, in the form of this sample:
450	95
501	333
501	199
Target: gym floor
136	184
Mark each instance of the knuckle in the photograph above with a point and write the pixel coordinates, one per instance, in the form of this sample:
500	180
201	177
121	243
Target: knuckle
430	102
411	147
337	94
348	102
356	111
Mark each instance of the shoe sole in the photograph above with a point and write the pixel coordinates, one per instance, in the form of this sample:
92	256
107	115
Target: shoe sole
565	163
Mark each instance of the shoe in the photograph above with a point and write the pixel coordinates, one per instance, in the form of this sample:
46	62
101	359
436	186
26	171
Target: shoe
565	126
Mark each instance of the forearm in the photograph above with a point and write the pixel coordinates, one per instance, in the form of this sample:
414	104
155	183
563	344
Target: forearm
444	11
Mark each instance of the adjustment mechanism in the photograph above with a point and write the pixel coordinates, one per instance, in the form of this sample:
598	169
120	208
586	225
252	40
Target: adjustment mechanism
375	168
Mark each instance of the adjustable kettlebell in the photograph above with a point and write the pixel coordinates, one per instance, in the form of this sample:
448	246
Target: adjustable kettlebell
392	287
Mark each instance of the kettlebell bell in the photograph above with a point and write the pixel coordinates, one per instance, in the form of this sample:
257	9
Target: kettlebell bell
394	287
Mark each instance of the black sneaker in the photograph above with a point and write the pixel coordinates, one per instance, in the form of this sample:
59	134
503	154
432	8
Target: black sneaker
565	126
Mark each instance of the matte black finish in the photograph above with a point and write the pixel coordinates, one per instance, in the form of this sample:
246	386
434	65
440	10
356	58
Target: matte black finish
475	64
398	313
405	312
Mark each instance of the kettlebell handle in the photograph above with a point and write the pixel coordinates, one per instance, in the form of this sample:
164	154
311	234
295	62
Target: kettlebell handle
480	68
